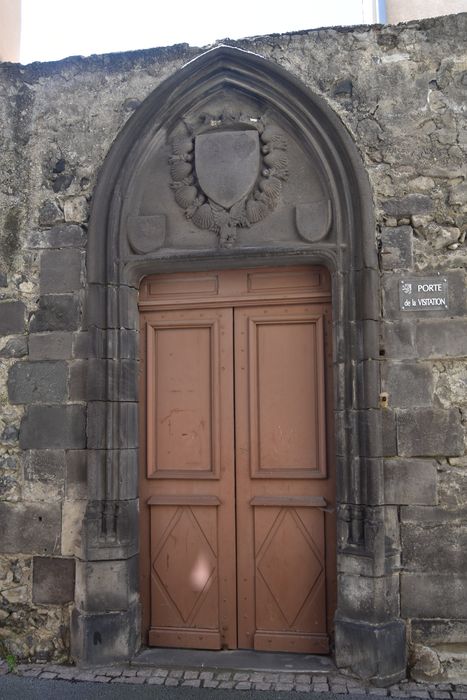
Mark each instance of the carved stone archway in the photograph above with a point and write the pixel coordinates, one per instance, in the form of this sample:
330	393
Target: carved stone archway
311	203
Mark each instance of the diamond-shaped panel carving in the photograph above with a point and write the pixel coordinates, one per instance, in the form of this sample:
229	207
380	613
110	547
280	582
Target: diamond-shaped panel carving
289	565
185	563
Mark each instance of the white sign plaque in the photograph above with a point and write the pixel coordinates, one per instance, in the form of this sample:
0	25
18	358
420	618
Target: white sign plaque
423	294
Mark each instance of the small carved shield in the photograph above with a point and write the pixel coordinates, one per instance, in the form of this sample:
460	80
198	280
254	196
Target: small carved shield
227	164
314	220
146	233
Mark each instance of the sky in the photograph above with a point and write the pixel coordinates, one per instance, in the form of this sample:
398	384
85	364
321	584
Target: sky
54	29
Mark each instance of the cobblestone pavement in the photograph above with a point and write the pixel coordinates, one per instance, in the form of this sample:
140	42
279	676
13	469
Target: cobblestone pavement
334	683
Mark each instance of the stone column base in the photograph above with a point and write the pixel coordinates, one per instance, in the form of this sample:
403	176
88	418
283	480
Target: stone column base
374	652
105	638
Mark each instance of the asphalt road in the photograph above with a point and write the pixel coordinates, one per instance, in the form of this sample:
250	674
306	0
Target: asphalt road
17	688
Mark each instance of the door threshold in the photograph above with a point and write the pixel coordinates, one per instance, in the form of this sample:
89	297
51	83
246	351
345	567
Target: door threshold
235	660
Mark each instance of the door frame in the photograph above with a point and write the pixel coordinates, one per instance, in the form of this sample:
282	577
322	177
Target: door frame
370	634
150	302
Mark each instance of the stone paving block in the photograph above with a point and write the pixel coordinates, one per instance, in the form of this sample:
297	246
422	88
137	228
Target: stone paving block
84	676
176	673
206	675
31	673
145	672
161	672
112	672
171	681
47	675
459	695
66	672
440	694
271	677
101	679
156	680
241	676
303	679
223	676
210	684
284	686
64	677
359	688
243	685
286	677
191	675
227	684
193	683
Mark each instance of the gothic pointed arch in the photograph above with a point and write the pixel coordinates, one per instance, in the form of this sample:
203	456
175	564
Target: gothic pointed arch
163	203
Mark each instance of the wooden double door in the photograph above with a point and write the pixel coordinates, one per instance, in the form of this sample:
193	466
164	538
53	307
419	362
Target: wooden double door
237	481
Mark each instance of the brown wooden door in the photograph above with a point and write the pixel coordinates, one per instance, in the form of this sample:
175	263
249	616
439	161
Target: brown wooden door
237	481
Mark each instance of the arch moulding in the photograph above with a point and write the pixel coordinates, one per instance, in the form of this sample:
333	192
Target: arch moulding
312	204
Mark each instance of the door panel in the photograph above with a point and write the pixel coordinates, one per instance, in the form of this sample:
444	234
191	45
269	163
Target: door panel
189	373
185	573
284	381
281	477
290	594
189	486
237	485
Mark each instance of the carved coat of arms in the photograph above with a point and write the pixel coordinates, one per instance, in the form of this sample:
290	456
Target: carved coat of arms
227	172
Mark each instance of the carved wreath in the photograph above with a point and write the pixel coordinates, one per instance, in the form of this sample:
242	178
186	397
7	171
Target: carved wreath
250	209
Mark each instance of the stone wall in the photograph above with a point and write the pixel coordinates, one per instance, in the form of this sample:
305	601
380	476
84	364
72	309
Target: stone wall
401	93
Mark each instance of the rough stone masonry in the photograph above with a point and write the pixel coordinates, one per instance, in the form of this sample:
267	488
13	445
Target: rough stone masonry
401	93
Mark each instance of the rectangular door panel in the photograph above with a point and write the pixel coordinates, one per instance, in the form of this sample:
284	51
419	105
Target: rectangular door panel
284	351
290	594
185	384
283	489
188	486
185	574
